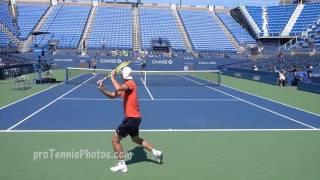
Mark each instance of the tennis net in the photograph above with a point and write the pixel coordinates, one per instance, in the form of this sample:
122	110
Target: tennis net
150	78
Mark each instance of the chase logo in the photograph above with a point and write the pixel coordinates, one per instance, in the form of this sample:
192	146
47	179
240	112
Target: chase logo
162	61
110	61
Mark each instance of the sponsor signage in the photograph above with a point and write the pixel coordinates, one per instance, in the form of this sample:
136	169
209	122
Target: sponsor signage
110	61
162	61
207	62
237	74
62	60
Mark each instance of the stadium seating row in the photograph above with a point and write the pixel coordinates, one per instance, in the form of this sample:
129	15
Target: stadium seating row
29	16
159	23
242	36
256	14
6	19
204	32
309	14
4	40
309	41
112	28
287	64
278	17
64	26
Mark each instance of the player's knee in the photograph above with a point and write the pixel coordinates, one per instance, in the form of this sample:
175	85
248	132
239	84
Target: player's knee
137	140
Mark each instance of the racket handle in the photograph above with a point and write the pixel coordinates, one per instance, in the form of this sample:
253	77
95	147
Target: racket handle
106	77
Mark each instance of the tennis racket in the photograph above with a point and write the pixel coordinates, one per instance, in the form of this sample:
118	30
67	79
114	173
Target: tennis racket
117	69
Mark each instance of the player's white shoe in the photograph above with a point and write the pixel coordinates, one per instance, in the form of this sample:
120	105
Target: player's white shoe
120	167
158	155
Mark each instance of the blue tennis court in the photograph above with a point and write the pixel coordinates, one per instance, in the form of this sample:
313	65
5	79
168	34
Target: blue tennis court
198	106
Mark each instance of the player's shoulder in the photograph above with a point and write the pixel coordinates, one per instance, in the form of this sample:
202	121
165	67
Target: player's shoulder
130	82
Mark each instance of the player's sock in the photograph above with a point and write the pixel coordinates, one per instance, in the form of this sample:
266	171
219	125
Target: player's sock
122	162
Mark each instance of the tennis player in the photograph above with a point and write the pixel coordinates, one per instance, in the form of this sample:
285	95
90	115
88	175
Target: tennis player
132	117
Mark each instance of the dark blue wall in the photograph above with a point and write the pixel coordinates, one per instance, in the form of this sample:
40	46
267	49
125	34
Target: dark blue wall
309	87
252	76
109	62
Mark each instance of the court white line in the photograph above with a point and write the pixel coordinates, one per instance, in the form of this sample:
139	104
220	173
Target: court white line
28	96
102	99
98	99
253	104
55	100
264	98
158	130
273	101
35	94
197	100
145	86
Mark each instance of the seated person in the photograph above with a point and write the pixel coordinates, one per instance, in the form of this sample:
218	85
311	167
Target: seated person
309	72
299	76
282	78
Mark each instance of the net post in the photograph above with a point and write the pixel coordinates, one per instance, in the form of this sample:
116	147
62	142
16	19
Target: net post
219	78
145	77
67	76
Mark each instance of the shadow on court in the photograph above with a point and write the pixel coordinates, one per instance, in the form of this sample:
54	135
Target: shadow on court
139	155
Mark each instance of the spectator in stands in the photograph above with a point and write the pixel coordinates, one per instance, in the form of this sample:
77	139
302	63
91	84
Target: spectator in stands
103	43
255	68
309	71
94	64
143	64
282	78
293	69
146	54
299	76
295	78
274	69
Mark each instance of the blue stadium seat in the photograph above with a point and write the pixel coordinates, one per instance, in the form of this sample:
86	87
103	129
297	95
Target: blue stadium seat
308	16
287	63
6	19
242	36
158	23
4	40
317	42
278	17
256	14
204	33
29	16
66	24
112	28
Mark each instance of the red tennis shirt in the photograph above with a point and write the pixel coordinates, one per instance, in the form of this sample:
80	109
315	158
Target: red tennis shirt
130	100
